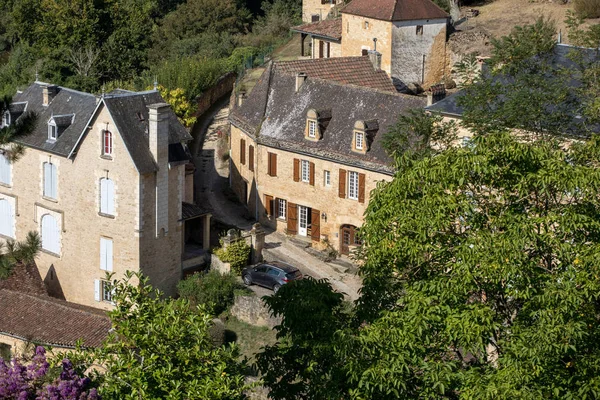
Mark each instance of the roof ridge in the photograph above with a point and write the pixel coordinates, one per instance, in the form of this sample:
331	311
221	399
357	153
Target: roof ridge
61	303
366	88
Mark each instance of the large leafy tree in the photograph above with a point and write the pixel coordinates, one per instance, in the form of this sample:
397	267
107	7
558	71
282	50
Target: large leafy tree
161	349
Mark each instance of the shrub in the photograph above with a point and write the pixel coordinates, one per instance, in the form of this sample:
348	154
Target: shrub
213	290
587	8
236	254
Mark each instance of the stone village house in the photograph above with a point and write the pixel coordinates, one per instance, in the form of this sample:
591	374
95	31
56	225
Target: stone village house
306	146
105	181
410	36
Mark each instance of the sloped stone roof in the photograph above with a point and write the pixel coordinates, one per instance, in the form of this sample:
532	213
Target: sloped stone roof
395	10
25	278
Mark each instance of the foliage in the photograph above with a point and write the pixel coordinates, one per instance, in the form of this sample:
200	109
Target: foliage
214	291
269	29
579	36
587	8
36	380
13	253
414	132
236	254
303	364
183	108
467	69
161	349
15	131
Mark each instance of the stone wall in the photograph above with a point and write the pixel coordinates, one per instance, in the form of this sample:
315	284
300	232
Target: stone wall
210	96
358	33
252	310
316	7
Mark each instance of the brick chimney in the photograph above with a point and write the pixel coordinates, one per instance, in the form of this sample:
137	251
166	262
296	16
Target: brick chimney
48	94
158	135
375	58
300	78
436	93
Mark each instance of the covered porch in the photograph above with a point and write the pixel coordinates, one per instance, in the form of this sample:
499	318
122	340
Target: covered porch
196	237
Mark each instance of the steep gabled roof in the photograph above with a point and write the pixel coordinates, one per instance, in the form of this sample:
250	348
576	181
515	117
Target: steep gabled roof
395	10
357	71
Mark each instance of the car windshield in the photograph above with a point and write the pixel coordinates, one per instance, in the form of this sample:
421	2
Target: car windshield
294	275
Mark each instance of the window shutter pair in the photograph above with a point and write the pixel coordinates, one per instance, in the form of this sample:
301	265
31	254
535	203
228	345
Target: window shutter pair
296	170
361	185
272	164
50	180
107	196
6	219
251	158
269	205
292	215
311	179
106	254
50	234
242	151
311	175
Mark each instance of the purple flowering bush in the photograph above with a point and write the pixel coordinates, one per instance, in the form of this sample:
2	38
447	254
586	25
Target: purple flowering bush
34	381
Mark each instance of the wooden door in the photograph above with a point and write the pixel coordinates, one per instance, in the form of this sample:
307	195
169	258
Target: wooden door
315	225
292	219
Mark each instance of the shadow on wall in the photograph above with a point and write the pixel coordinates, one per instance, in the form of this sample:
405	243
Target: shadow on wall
53	284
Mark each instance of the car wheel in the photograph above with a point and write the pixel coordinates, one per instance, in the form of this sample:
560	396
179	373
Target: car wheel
276	288
247	280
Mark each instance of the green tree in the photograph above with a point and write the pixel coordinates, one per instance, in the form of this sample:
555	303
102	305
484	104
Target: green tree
161	349
13	253
9	135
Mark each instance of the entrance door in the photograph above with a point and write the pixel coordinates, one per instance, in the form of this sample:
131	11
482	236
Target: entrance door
303	221
349	238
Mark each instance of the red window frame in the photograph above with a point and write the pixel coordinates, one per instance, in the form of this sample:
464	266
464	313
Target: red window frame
107	143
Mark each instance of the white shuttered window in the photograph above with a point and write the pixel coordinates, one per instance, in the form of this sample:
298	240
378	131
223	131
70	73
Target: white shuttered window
107	196
6	219
50	234
5	170
106	254
50	180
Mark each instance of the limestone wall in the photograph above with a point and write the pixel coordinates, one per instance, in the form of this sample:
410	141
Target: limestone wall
252	310
316	7
358	34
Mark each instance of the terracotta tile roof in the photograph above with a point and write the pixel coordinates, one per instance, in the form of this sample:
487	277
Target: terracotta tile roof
329	28
50	321
395	10
357	71
189	211
25	278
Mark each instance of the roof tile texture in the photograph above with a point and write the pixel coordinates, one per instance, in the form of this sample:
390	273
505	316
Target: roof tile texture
395	10
330	28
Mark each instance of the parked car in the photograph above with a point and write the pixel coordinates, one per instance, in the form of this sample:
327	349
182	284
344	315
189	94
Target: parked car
271	275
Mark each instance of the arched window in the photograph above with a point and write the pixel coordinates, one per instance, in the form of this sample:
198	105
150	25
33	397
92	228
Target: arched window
6	219
50	180
107	196
107	143
5	170
50	234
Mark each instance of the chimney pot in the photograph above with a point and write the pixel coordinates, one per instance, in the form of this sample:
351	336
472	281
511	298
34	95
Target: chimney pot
240	98
300	78
436	93
48	94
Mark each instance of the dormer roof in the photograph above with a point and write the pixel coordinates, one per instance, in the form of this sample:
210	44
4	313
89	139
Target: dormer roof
395	10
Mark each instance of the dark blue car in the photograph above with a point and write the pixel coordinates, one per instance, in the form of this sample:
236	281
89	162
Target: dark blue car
271	275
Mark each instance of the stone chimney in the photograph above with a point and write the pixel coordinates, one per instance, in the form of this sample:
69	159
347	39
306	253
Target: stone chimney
300	78
158	135
48	94
241	96
436	93
375	58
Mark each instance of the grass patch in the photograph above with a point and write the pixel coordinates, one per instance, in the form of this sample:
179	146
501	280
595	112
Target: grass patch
249	338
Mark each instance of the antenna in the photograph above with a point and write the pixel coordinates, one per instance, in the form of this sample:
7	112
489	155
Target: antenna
375	44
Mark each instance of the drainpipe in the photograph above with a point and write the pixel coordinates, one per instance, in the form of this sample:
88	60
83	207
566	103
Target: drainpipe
423	70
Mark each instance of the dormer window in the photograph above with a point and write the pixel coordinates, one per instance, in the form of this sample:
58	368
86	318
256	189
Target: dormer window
52	131
107	143
359	140
312	129
364	132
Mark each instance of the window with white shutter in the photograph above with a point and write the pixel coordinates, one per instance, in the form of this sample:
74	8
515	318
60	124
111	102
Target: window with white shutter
97	289
107	196
353	185
50	182
50	234
7	217
106	254
5	170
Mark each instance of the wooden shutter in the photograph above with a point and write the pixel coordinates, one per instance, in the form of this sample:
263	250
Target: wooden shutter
251	158
321	48
364	52
342	186
312	174
361	188
110	197
272	167
242	151
50	234
106	254
4	169
296	170
47	179
315	225
103	196
97	289
328	49
269	205
6	219
292	218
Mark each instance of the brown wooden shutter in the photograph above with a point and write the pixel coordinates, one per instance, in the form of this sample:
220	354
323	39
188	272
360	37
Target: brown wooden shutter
328	50
315	225
242	152
292	218
296	170
342	190
269	205
312	174
251	158
361	188
321	48
272	167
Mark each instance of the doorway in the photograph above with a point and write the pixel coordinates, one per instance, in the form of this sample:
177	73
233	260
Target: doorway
349	238
303	220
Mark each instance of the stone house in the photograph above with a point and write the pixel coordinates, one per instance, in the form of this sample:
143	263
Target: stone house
306	146
410	35
318	10
104	182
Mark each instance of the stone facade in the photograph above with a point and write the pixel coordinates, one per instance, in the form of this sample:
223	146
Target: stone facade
254	187
358	33
313	9
140	243
330	48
